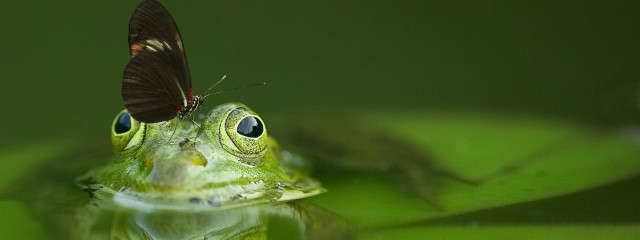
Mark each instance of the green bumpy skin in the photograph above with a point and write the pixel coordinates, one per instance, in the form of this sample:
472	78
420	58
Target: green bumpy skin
175	165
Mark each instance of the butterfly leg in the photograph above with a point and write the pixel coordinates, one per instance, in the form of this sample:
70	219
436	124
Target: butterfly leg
194	122
174	131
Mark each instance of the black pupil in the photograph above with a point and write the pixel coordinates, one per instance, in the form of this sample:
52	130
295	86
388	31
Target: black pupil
124	123
250	127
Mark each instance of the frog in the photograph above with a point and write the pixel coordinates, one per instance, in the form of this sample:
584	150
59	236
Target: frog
225	178
227	161
355	178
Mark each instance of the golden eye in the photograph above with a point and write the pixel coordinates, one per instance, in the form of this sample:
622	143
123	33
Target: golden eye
126	132
250	127
122	123
243	134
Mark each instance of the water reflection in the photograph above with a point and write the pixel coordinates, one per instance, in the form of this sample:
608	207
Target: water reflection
102	218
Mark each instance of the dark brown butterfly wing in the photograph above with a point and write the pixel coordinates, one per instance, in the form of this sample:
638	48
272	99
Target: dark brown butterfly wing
156	81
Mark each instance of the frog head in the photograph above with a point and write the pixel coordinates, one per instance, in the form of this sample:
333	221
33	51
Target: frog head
227	161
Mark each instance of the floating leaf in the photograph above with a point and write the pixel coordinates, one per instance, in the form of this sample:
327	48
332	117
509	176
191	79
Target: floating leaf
562	232
518	159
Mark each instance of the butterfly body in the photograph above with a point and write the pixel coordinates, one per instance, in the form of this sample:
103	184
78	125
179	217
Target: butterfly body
192	105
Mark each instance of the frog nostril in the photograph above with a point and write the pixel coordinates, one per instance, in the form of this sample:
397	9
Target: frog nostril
123	124
250	127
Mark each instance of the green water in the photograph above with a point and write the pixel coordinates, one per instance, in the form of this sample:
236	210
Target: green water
63	64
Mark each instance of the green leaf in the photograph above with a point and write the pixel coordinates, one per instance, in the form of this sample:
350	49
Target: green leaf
507	232
521	159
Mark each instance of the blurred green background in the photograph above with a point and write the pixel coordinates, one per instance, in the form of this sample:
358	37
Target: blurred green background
63	63
63	60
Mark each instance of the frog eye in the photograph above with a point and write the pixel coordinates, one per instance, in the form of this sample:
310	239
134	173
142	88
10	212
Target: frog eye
122	123
126	132
243	134
250	127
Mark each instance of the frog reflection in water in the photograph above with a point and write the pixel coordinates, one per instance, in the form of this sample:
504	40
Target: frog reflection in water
232	162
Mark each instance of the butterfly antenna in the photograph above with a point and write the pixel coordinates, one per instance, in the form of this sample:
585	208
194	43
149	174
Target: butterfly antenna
235	88
216	84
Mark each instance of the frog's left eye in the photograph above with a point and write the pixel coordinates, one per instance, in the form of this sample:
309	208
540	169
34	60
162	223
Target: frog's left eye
251	127
126	132
243	134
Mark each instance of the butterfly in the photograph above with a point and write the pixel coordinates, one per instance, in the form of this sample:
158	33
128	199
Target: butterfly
156	85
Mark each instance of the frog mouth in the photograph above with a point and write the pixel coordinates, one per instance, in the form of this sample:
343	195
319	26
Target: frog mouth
208	201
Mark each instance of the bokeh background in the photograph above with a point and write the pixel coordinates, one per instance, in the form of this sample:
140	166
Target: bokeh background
62	61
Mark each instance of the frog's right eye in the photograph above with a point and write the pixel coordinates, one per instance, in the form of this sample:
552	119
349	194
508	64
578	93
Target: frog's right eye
122	124
126	132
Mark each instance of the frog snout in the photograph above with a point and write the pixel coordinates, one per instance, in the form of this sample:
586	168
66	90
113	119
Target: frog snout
171	169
